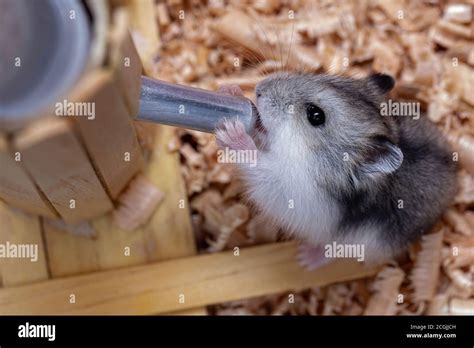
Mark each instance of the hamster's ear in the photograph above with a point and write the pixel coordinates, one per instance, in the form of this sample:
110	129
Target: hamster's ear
382	83
385	158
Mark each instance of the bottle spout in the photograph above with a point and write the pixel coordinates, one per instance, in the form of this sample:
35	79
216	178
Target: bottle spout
192	108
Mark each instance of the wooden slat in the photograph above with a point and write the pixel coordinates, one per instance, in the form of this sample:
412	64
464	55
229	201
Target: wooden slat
169	233
156	288
106	138
125	62
192	311
144	23
110	135
16	187
112	241
55	158
69	254
20	228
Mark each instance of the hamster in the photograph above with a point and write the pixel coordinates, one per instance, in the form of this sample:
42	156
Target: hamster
331	169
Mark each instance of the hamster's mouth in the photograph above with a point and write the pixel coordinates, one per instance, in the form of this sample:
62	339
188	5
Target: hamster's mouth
259	132
259	125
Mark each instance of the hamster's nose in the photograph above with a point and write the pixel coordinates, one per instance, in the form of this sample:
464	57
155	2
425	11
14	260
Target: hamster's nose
263	89
258	91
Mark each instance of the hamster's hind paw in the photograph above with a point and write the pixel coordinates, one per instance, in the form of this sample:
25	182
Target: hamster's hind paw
311	257
232	134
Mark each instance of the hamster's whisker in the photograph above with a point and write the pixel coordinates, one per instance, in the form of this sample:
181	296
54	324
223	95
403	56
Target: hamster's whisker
275	30
262	29
291	45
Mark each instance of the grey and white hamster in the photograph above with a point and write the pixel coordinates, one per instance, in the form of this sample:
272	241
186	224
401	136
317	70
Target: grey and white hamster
331	169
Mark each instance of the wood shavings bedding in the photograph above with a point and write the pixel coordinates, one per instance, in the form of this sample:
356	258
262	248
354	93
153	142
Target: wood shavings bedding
425	273
386	292
429	48
137	203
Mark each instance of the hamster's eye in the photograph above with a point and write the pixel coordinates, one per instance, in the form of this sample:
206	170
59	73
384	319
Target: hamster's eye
315	115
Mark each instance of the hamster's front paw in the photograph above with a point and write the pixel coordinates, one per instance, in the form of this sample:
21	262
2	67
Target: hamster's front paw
232	89
311	257
232	134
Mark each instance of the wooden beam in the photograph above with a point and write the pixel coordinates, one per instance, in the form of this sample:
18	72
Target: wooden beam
53	155
16	187
192	311
169	233
125	62
179	285
69	254
144	25
110	248
116	247
20	228
110	137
